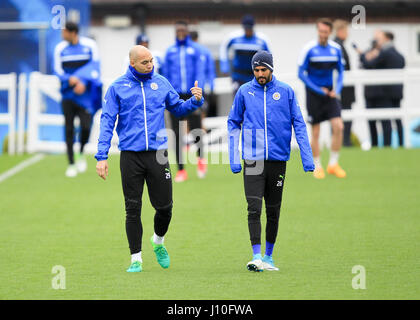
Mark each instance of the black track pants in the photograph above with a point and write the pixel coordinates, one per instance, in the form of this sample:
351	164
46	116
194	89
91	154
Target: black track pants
264	180
136	168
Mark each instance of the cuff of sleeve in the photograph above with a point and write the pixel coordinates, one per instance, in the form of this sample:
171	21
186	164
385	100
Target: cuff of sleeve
101	157
197	103
309	168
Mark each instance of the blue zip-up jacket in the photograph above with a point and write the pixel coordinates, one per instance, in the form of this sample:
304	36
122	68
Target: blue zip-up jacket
82	61
244	49
316	66
184	64
266	115
140	107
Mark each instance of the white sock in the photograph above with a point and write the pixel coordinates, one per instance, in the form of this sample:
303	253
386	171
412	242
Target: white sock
157	239
136	257
317	162
333	158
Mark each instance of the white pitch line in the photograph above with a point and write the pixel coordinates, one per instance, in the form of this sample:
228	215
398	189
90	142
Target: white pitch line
24	164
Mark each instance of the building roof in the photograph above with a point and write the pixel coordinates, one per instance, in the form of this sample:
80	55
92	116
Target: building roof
265	11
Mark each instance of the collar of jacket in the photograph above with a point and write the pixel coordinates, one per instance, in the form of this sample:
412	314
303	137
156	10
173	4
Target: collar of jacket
339	41
135	75
268	85
387	45
184	42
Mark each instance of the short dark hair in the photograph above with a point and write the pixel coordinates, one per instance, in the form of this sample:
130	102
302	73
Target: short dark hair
194	35
72	26
389	35
182	22
326	21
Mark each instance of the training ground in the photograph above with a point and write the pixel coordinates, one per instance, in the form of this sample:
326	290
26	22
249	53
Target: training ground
369	221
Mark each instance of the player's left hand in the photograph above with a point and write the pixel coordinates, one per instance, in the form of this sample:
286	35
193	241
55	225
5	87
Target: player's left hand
196	91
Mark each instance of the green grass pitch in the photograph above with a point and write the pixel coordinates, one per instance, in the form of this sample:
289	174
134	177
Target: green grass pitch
371	218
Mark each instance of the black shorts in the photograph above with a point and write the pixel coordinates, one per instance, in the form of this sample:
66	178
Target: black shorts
321	108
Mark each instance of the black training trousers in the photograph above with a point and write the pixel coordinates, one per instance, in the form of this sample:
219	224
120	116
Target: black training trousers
264	179
71	110
136	168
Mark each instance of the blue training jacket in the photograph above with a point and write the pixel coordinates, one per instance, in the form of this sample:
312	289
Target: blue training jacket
184	64
266	115
316	66
140	107
82	61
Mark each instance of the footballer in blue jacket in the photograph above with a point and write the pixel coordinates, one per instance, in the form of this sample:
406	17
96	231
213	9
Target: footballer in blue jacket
265	110
139	99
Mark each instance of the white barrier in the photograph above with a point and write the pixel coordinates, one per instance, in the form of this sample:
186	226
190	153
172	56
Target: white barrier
40	84
410	105
21	113
8	82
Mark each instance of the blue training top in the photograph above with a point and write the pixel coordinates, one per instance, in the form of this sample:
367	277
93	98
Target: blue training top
244	49
316	66
140	107
266	115
82	61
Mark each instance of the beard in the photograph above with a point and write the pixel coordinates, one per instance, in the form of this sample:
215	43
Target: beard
263	80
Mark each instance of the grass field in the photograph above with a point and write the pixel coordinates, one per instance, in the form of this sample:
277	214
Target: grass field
371	218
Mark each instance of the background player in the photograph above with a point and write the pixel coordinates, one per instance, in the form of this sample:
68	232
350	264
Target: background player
317	62
245	44
185	64
76	63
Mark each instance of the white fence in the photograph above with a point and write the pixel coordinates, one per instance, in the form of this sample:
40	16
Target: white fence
8	82
40	85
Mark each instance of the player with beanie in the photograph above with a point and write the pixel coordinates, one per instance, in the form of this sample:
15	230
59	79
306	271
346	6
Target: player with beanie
265	109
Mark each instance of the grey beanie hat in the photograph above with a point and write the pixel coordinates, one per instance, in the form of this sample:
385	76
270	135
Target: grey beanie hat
262	59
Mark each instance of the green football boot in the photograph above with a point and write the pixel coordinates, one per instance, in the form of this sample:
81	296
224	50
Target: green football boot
162	255
135	267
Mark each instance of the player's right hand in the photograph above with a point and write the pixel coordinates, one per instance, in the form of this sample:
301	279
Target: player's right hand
332	94
235	168
79	88
102	169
